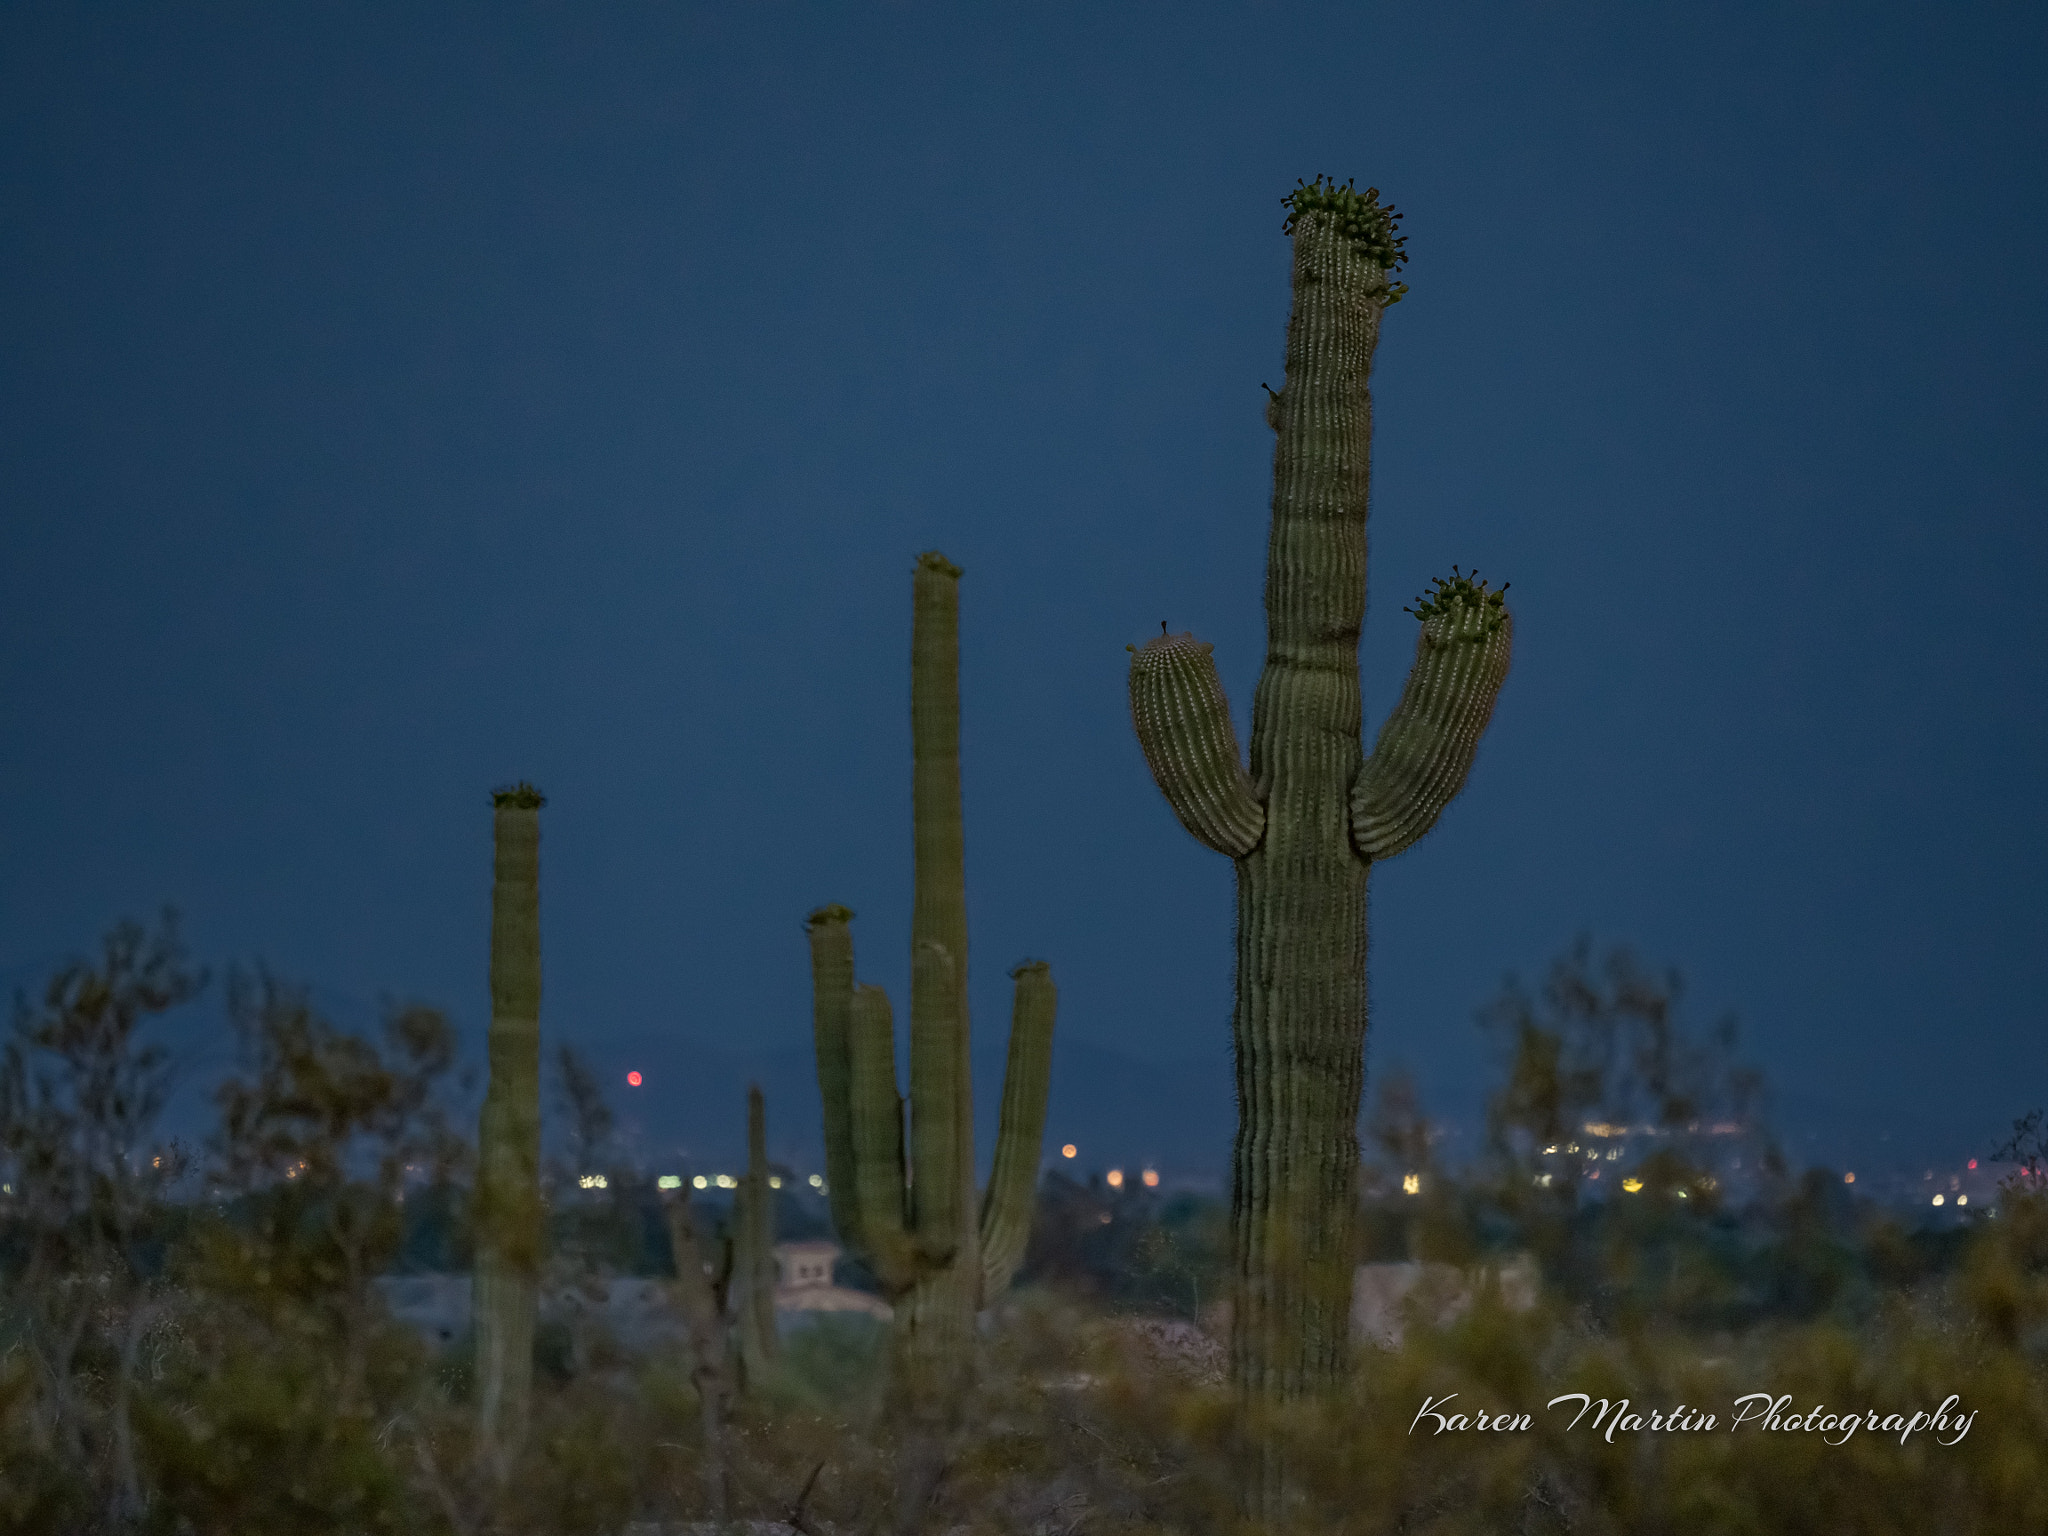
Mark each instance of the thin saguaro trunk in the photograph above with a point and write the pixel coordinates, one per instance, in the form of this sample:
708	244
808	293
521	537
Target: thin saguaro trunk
508	1211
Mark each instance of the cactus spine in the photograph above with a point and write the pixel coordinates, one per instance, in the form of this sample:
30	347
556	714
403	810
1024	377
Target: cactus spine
1313	813
508	1212
906	1203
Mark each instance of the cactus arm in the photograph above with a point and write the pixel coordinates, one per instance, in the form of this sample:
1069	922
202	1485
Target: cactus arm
1008	1205
832	1024
505	1284
940	1191
875	1181
1426	746
1183	723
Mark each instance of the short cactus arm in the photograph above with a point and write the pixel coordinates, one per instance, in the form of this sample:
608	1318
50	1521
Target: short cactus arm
1426	747
941	1190
832	1025
1183	722
1011	1197
875	1126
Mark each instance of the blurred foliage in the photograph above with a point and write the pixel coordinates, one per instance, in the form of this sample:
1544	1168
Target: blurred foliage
198	1339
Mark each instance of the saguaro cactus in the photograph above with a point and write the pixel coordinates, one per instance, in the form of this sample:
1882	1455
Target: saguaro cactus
754	1248
505	1283
1314	813
905	1201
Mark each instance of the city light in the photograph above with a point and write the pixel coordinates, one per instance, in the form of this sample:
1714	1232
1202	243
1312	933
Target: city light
1411	1183
817	1181
1848	1178
632	1079
774	1182
1069	1150
1962	1199
1940	1199
700	1182
1151	1178
1973	1162
669	1181
593	1181
727	1181
1114	1178
1633	1186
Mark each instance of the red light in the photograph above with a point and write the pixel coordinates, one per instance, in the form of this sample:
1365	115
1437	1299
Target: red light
1973	1162
633	1079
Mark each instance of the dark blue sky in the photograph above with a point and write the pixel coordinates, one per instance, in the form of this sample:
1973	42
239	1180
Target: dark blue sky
396	401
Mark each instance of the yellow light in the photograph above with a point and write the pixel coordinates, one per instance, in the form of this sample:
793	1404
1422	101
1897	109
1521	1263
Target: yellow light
1069	1150
1938	1199
774	1182
1114	1178
1151	1178
1411	1183
669	1181
1633	1186
1962	1199
727	1181
700	1182
817	1181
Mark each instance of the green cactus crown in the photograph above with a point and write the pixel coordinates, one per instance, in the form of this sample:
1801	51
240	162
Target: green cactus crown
1359	217
520	797
1450	593
932	560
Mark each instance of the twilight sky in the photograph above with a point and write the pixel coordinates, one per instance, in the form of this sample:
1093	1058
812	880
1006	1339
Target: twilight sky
398	401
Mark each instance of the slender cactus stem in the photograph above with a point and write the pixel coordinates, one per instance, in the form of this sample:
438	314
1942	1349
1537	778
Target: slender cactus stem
508	1211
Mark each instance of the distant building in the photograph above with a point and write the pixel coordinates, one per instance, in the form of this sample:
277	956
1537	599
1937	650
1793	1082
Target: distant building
804	1282
1385	1296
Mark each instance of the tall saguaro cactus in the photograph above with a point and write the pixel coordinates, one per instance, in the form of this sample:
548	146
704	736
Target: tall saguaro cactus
1312	815
505	1283
903	1198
